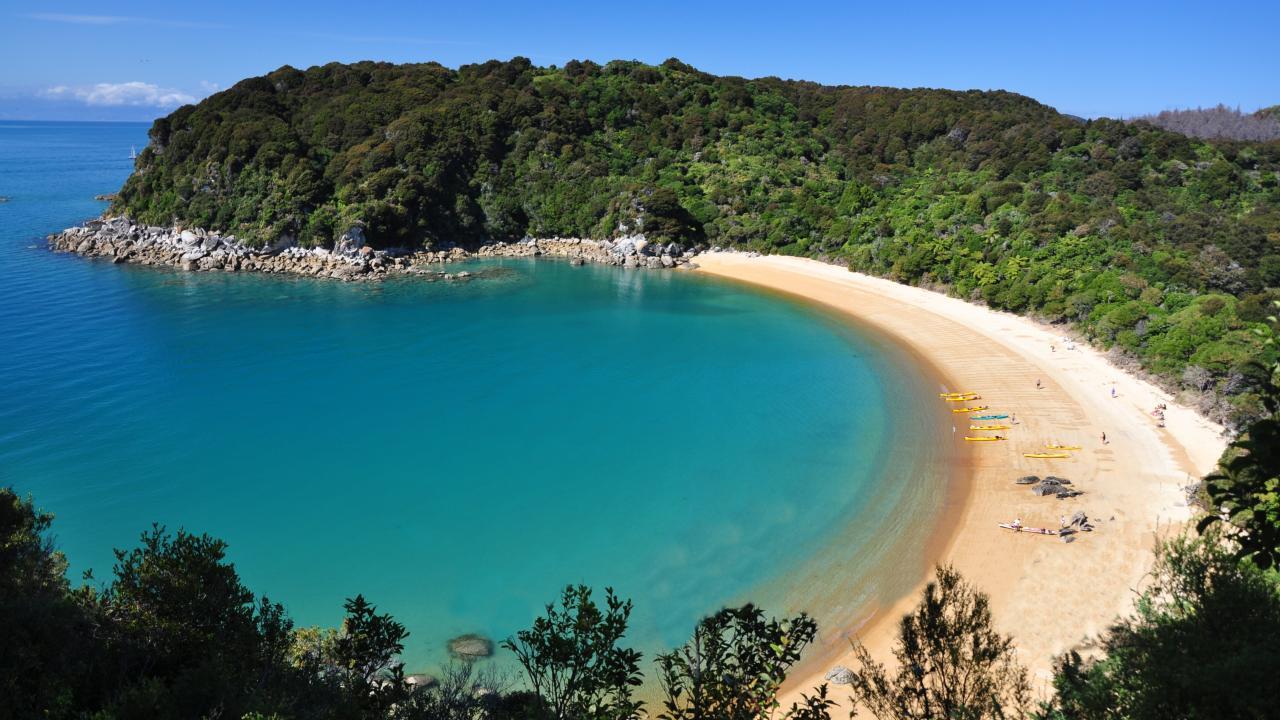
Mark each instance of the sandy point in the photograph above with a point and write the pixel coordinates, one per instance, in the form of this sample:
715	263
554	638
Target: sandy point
1050	595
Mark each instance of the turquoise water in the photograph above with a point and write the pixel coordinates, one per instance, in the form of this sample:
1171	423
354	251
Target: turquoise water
455	452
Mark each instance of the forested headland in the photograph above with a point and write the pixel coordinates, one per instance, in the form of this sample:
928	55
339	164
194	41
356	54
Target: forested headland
1161	246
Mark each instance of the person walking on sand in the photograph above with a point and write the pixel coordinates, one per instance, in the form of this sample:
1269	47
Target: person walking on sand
1037	383
1113	392
1104	438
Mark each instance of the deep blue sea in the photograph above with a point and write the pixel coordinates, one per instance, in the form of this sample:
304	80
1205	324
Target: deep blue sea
455	452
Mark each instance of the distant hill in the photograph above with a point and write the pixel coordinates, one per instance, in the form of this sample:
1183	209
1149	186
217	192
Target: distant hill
1162	246
1273	112
1220	122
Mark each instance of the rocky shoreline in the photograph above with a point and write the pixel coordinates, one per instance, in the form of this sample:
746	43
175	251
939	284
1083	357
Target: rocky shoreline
199	250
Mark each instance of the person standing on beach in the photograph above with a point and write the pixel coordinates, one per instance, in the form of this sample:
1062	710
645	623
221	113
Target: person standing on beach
1104	438
1037	383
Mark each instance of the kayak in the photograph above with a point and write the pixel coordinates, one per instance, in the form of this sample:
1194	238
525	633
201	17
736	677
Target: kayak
1047	456
1063	447
963	398
1021	528
990	427
982	439
988	417
956	394
969	409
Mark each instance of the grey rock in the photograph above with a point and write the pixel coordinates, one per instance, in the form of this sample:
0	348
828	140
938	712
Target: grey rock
840	675
470	647
350	242
421	680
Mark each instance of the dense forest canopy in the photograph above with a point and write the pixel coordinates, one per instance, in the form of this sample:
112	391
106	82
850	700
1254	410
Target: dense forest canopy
1161	246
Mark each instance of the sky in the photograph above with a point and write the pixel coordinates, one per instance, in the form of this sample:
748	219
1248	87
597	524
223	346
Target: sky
140	60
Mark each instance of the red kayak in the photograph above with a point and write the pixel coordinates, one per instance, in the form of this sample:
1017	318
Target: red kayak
1023	528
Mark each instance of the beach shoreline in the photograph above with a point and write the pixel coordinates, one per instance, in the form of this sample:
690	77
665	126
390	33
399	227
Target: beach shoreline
1049	595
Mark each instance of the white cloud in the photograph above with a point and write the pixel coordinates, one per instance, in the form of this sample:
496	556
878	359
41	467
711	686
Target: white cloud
132	94
72	19
78	19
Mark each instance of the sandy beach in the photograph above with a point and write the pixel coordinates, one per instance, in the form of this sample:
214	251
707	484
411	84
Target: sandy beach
1048	594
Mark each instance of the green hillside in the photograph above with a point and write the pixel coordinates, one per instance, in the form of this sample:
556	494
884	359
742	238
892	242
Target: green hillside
1164	247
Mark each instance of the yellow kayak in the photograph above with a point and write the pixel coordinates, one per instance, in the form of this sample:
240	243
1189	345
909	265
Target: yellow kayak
982	439
990	427
1063	447
956	394
1047	456
969	409
962	398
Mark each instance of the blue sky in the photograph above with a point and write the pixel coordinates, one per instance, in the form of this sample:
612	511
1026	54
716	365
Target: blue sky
138	60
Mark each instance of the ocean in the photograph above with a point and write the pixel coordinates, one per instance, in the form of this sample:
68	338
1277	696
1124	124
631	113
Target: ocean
455	452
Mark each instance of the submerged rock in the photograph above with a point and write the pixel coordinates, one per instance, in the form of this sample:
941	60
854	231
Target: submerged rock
421	680
470	647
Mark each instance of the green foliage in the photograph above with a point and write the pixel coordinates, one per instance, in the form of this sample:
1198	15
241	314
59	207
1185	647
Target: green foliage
364	656
1203	643
573	661
734	665
184	634
41	627
991	194
1245	490
951	661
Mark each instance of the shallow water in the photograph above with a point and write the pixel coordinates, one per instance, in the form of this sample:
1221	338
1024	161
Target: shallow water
456	452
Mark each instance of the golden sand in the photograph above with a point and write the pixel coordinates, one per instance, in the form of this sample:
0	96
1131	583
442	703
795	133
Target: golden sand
1048	594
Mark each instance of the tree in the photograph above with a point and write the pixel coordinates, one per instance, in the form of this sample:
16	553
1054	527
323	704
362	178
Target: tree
951	662
464	691
43	633
1245	490
187	637
573	661
733	666
365	659
1204	642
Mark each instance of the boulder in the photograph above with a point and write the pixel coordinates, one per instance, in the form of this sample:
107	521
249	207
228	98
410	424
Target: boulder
840	675
421	680
188	238
350	242
470	647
